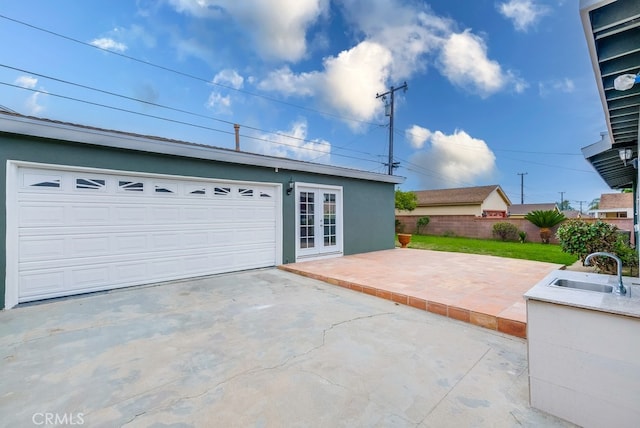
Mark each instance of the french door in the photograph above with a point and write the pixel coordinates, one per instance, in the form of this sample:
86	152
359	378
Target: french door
318	221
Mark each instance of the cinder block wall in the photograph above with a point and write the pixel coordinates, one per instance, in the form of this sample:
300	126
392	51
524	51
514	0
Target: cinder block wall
481	227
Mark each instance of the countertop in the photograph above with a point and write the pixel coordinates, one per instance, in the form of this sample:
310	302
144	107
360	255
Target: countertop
604	302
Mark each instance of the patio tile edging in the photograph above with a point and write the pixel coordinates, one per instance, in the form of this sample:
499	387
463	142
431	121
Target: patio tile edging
491	322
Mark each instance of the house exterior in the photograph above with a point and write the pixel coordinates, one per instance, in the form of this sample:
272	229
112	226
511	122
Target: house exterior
614	53
615	205
89	209
480	201
521	210
575	214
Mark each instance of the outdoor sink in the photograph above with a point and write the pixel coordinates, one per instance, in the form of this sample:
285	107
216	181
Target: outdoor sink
579	285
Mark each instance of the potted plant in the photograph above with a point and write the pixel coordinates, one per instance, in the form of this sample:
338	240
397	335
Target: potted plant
545	220
405	201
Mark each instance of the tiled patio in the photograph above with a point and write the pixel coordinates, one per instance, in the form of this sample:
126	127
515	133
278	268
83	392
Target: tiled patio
482	290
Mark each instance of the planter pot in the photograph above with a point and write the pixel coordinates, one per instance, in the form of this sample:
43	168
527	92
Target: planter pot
404	239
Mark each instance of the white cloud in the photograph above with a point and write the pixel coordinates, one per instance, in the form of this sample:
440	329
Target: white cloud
299	147
417	136
353	77
397	41
565	86
410	33
26	82
347	85
523	13
454	160
230	78
286	82
32	103
464	62
219	103
277	27
109	44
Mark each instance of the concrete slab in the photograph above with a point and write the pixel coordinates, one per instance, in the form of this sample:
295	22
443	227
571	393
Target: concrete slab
261	348
482	290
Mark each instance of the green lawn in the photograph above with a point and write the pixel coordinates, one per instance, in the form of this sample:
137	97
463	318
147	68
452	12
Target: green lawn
515	250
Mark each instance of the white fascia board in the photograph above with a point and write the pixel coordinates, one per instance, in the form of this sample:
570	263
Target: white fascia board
598	147
587	6
85	135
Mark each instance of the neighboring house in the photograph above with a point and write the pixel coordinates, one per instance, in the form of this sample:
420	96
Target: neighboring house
572	214
521	210
481	201
89	209
614	205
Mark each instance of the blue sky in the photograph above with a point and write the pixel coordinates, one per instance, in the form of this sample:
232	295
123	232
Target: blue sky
495	88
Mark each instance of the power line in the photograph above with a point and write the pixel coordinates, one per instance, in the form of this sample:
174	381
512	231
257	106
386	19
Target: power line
169	119
281	134
184	74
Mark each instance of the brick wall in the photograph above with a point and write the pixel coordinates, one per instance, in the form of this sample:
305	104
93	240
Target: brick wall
482	227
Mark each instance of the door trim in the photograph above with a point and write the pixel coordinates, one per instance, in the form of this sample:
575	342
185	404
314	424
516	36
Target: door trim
339	250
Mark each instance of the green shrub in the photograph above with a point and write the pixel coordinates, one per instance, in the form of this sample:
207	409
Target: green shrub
406	201
580	238
449	234
505	231
522	236
422	222
399	226
628	255
545	220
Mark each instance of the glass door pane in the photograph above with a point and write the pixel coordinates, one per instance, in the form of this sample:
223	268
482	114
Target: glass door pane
307	220
329	219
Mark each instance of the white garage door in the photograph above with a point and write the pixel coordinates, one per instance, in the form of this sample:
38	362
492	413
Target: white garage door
86	230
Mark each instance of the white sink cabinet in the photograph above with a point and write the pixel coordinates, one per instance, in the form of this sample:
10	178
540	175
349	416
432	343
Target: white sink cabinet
584	351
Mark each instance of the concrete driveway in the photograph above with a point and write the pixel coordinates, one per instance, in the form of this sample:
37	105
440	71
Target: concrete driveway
262	348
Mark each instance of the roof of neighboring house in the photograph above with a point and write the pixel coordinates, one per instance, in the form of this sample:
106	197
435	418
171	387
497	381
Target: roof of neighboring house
18	124
458	196
524	209
575	214
615	200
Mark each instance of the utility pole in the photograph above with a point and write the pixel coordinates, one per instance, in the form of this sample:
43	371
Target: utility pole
580	202
389	113
522	174
562	200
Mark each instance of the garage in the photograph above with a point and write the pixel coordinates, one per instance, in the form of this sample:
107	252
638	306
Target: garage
78	230
90	209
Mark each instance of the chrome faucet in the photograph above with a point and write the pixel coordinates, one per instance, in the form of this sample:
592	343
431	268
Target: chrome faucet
621	290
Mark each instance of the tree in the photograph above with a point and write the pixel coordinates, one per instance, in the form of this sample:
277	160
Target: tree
545	220
594	204
406	201
564	205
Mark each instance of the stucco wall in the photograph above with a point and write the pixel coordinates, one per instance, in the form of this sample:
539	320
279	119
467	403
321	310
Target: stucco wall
367	206
494	202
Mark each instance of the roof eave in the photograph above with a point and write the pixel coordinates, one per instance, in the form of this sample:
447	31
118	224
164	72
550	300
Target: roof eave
23	125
